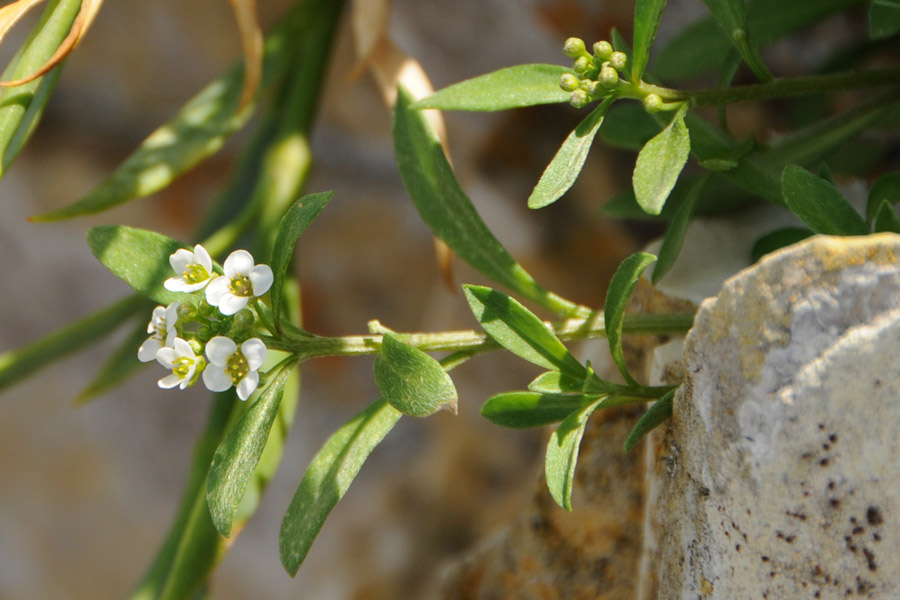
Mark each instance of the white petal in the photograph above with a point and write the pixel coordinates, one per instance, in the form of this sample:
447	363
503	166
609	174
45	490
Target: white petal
175	284
169	381
247	385
201	257
261	278
180	260
229	304
186	381
147	351
219	349
216	380
238	262
183	349
216	289
166	357
254	350
191	287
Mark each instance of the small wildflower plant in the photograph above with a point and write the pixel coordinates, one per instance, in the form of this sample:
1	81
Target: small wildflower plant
235	326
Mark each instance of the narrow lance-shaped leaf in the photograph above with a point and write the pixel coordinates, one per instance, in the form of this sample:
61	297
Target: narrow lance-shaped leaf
236	458
524	410
886	219
140	258
658	413
554	382
21	107
445	208
884	18
512	87
780	238
647	14
329	476
520	331
732	17
566	165
562	454
886	188
819	204
413	382
292	225
620	289
659	164
121	364
18	364
674	239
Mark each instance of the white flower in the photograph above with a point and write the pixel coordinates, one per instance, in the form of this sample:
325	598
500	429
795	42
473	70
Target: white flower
230	366
194	269
242	281
184	363
162	330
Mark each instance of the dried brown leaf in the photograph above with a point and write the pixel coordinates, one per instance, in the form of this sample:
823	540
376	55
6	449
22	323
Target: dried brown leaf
252	46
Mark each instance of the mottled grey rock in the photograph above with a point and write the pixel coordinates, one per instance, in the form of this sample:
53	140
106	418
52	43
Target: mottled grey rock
779	477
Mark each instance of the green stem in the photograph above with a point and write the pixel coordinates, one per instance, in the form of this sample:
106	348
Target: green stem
472	341
780	88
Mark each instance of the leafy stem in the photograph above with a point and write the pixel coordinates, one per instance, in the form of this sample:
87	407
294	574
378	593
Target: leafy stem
465	343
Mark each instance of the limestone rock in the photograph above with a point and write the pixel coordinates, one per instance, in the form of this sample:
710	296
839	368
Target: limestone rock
779	477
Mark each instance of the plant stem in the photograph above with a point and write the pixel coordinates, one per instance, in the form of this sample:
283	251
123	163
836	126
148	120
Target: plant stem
473	341
781	88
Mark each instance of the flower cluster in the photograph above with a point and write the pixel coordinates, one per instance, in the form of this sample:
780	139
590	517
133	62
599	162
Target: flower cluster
596	74
219	327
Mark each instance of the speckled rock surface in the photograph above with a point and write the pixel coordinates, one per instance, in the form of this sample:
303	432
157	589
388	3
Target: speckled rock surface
779	476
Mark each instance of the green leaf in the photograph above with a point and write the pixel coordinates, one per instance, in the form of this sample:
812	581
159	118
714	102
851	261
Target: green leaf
524	410
199	129
886	218
647	14
554	382
21	106
412	381
620	289
887	188
121	364
884	18
659	164
565	167
672	243
819	204
18	364
235	460
562	454
512	87
292	225
140	258
627	125
732	17
700	47
520	331
329	475
658	413
446	209
778	239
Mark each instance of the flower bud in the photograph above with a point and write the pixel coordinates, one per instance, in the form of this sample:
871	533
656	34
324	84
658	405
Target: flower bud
618	60
652	103
582	65
196	346
206	309
186	312
603	49
608	77
579	99
574	47
244	322
569	82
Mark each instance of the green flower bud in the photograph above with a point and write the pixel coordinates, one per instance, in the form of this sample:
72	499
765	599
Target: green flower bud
608	77
582	65
574	47
569	82
594	89
617	60
196	346
244	321
603	49
206	309
579	99
204	334
187	313
652	103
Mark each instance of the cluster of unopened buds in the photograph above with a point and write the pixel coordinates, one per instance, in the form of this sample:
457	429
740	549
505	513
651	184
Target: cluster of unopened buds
595	75
220	327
